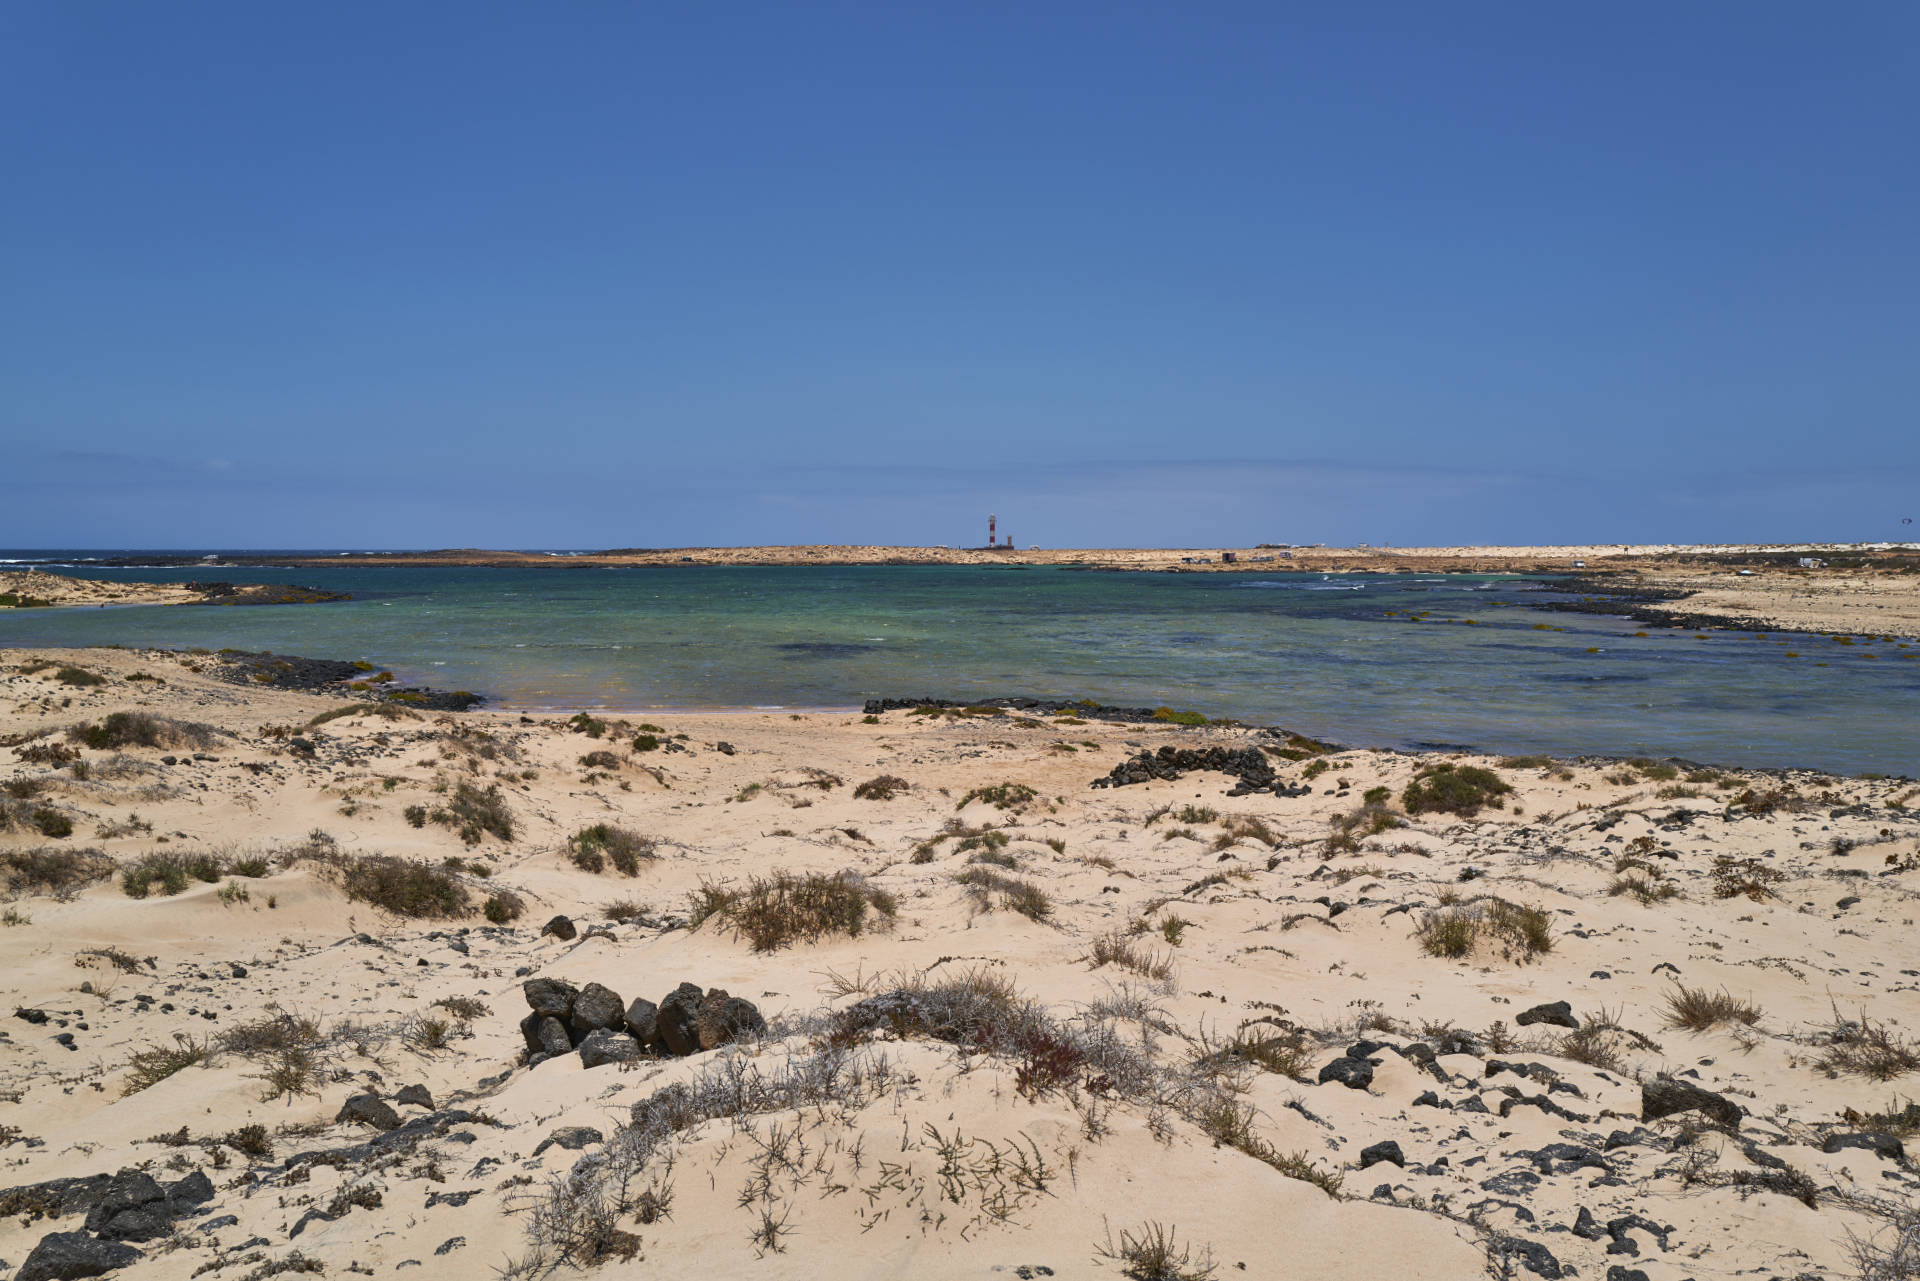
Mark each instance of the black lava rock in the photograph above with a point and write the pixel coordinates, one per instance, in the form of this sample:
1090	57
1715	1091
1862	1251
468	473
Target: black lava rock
68	1256
560	927
1555	1014
1884	1146
552	997
642	1019
132	1208
1665	1096
1355	1074
597	1007
678	1019
416	1095
545	1034
1386	1150
725	1019
368	1109
607	1046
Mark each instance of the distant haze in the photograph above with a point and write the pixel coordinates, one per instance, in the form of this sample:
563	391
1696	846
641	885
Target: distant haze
443	275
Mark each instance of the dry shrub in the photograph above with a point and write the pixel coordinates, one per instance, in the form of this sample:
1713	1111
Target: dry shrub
156	1063
776	911
1245	827
1152	1252
168	873
592	848
141	729
1696	1009
1520	933
1864	1048
882	788
1015	895
1744	878
1647	889
404	887
1002	796
48	869
1117	949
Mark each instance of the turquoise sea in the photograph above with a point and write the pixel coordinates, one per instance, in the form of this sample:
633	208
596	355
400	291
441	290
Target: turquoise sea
1336	657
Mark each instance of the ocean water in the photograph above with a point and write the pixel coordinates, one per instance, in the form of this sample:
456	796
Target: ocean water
1335	657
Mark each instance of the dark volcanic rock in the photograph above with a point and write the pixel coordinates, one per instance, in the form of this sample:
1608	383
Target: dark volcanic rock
725	1019
416	1095
597	1007
189	1193
560	927
552	997
1884	1146
607	1046
1355	1074
545	1034
133	1208
1665	1096
1554	1014
642	1020
678	1019
368	1109
68	1256
570	1137
1248	764
1386	1150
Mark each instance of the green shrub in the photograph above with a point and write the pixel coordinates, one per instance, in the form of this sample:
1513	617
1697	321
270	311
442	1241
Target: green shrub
776	911
646	743
1015	895
52	870
51	822
170	874
78	676
591	726
1168	716
476	813
1447	788
1520	933
1002	796
140	729
401	886
882	788
592	848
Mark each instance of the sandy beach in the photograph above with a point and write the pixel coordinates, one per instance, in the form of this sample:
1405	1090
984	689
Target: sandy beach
279	995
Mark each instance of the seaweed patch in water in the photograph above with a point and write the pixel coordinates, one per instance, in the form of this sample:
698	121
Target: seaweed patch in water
823	649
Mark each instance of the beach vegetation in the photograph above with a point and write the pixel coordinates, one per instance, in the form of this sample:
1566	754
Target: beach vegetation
1117	948
1152	1252
1298	747
405	887
503	907
1168	716
1648	888
381	711
18	600
990	889
141	729
646	742
1346	831
51	870
147	1068
1744	878
783	909
50	822
1862	1047
592	848
591	726
168	873
475	813
882	787
1447	788
1002	796
1516	932
79	676
1696	1009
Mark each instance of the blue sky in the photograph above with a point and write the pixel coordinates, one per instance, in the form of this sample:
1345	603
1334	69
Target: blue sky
609	275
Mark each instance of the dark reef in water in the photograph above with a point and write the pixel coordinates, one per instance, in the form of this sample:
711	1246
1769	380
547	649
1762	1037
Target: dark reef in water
333	676
1641	604
225	593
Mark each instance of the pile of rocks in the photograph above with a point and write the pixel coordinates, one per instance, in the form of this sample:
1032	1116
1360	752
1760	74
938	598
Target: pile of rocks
120	1208
602	1028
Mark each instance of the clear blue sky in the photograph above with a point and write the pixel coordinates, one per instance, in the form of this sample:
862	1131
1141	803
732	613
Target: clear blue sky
591	275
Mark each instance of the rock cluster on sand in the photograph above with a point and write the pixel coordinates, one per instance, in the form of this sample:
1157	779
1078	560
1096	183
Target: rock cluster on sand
123	1207
595	1021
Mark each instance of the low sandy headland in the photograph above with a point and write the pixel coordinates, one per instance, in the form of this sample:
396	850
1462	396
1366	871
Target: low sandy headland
277	997
1860	589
